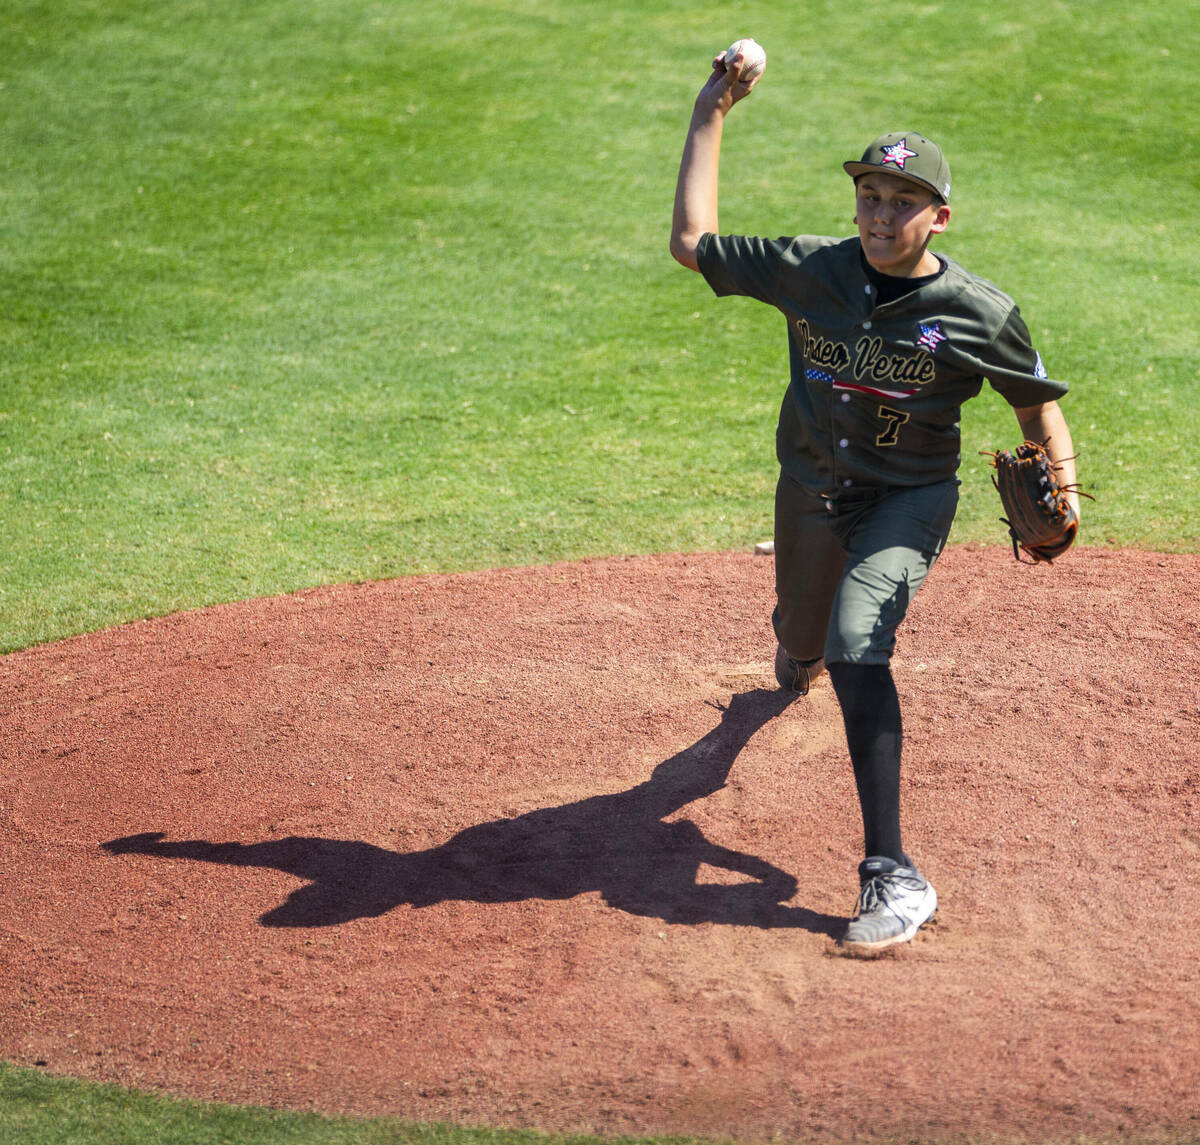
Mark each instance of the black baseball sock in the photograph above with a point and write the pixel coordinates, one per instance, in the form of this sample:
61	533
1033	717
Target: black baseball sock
871	711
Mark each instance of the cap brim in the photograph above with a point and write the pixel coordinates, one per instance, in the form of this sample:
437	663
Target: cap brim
856	168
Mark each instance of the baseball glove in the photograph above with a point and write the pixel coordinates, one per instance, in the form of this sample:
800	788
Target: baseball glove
1039	516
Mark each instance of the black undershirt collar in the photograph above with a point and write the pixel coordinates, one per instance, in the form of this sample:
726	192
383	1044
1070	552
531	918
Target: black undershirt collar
888	287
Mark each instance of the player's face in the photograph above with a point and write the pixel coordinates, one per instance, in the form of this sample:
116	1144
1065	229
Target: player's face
895	220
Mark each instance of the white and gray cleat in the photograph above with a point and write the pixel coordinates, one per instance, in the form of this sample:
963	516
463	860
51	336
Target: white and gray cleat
893	904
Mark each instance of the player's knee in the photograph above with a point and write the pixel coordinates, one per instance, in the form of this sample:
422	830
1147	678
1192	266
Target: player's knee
844	648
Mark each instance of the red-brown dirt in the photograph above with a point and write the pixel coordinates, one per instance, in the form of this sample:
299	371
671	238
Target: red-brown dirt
544	847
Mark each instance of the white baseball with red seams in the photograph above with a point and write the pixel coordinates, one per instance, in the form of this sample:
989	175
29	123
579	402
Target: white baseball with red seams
754	61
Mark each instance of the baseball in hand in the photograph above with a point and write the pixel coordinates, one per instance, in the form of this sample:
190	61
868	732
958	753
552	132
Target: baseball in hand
754	58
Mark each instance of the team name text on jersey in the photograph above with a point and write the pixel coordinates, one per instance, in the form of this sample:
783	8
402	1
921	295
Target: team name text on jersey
867	362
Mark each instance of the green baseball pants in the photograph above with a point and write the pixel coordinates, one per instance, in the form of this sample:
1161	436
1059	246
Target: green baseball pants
847	568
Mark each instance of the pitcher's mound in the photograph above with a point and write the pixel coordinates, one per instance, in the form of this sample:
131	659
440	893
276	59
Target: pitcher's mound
545	847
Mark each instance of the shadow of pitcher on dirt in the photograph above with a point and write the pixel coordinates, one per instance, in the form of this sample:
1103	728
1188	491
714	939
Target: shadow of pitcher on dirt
620	845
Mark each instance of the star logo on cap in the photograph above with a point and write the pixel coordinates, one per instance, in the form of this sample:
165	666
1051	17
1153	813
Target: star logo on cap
931	336
897	153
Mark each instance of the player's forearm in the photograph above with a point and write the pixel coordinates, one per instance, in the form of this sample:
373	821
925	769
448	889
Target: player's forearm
1045	424
696	189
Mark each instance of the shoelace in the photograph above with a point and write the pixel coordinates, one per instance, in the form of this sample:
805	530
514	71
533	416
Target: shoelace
884	889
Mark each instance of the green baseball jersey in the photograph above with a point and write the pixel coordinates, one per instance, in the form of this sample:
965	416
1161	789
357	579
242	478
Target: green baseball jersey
876	389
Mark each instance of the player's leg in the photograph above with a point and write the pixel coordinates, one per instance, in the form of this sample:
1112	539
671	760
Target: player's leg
874	734
891	545
808	566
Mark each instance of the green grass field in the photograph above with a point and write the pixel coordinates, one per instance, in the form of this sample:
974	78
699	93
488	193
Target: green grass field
36	1110
297	293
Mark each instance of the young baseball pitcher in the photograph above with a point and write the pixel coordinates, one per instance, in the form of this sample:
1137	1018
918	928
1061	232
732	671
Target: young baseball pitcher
886	340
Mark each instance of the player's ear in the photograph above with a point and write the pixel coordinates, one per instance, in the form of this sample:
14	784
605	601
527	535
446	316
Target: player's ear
941	219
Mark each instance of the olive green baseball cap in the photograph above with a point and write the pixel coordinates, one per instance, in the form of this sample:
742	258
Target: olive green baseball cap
906	155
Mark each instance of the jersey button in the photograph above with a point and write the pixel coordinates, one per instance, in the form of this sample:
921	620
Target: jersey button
844	442
867	324
847	483
845	397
